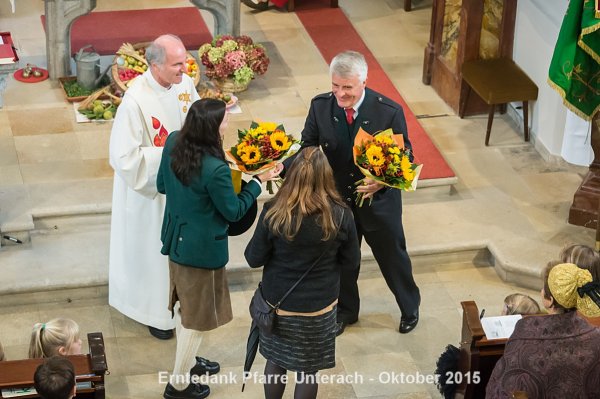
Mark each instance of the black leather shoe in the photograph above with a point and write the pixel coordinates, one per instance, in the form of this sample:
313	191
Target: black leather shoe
160	334
204	366
262	6
408	324
192	391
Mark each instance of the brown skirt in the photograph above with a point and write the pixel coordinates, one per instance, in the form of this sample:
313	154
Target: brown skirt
203	296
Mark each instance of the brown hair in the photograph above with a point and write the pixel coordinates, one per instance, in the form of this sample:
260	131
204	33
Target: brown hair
308	189
583	256
55	378
1	352
520	304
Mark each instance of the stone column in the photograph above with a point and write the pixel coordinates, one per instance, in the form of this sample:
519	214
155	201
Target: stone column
60	15
226	14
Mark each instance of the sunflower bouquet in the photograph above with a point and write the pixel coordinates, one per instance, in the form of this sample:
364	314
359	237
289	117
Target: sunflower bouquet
383	157
261	147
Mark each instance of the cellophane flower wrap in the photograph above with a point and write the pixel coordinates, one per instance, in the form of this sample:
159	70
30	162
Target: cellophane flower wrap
383	157
261	147
233	57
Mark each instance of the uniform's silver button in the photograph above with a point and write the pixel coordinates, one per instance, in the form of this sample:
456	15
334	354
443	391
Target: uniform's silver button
351	174
180	238
350	187
349	199
326	145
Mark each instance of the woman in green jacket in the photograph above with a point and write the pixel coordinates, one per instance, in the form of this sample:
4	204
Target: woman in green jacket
200	204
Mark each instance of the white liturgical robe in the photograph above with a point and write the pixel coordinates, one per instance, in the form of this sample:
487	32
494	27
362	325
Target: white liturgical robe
138	274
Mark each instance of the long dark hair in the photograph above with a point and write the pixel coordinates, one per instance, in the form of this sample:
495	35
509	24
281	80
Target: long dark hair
199	136
308	189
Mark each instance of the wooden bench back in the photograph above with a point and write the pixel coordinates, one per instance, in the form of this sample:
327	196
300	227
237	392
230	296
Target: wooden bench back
88	368
478	355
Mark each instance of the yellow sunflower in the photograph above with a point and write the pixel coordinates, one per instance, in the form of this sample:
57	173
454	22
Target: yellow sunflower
385	139
394	150
407	171
257	132
375	156
268	126
240	147
280	141
250	154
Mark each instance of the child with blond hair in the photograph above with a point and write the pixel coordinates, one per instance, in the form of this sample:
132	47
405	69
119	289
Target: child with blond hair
518	303
55	337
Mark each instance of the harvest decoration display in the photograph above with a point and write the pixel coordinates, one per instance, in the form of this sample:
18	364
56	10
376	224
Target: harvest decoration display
130	62
236	59
383	157
261	147
101	104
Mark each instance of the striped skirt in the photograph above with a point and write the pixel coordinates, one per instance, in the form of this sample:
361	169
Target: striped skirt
302	343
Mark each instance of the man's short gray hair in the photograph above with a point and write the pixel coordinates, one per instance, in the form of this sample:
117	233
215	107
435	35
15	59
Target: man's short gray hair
348	64
156	52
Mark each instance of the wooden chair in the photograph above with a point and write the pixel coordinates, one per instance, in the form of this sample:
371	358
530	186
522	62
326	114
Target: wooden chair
498	81
291	6
88	368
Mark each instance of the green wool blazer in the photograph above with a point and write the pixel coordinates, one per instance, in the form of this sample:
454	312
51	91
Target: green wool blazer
196	219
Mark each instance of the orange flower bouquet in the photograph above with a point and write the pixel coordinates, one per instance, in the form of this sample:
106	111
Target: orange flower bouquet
383	157
261	147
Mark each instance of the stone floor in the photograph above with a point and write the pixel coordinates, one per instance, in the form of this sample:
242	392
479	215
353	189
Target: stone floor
368	355
478	239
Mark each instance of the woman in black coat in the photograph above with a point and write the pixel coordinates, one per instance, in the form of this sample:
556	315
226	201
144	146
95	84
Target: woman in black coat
306	222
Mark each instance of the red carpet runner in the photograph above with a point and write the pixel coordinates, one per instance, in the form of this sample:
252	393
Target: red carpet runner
107	30
332	32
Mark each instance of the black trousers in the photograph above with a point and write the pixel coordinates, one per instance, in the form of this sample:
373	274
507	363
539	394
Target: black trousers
389	250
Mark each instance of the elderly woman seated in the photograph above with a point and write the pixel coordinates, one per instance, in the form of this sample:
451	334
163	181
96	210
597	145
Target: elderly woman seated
556	355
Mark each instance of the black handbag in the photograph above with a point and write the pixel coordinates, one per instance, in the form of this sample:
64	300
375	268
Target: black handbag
263	314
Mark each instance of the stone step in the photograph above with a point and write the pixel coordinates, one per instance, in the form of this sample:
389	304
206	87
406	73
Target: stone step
26	208
60	287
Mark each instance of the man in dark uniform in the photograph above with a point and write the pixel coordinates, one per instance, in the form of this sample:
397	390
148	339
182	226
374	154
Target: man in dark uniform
332	123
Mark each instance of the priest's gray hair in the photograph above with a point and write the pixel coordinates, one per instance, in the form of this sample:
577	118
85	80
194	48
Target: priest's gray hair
348	64
156	52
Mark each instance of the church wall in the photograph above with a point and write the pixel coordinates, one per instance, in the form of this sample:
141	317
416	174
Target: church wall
537	26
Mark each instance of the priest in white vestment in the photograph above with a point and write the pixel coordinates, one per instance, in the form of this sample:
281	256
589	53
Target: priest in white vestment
155	105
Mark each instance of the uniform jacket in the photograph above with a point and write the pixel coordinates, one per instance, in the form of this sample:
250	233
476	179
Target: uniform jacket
326	126
194	231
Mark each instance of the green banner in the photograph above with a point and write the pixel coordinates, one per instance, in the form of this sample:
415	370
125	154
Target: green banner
574	69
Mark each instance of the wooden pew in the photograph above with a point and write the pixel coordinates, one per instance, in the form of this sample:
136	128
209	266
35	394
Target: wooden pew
88	368
478	355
